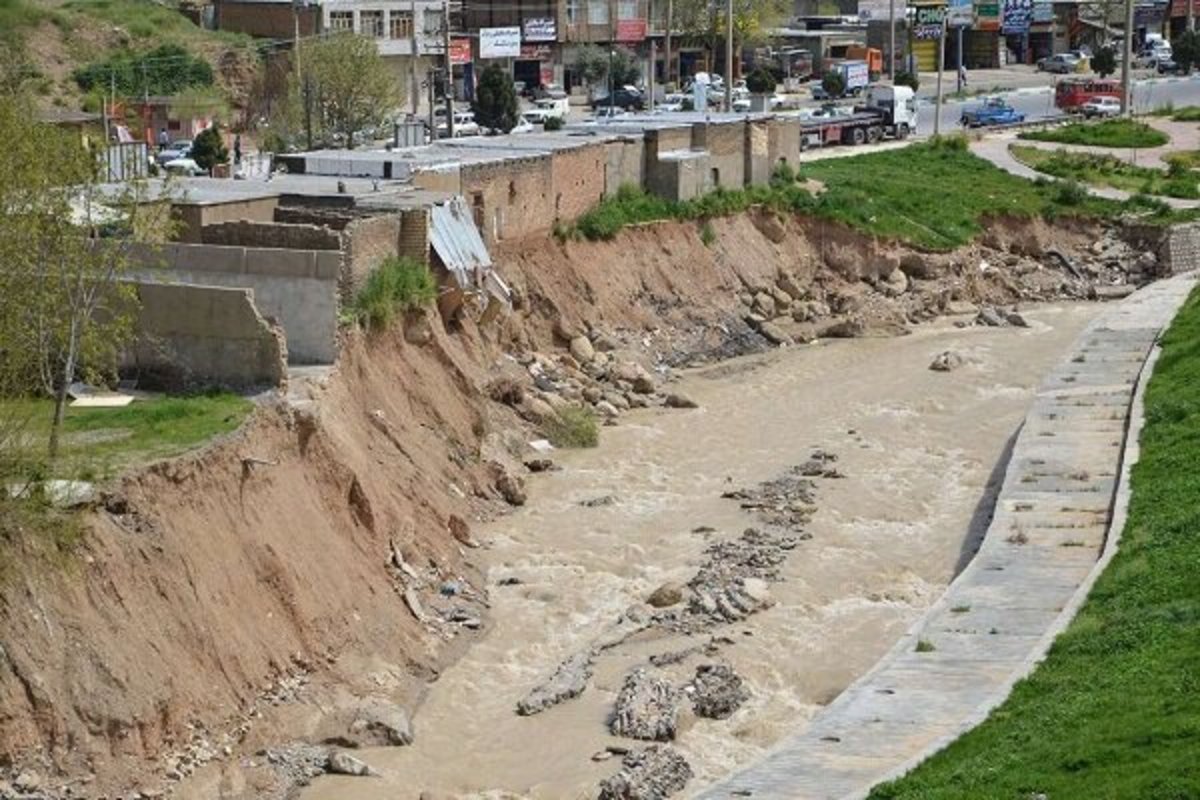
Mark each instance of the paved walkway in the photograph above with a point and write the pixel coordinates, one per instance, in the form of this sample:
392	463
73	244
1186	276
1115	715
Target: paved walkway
998	618
994	148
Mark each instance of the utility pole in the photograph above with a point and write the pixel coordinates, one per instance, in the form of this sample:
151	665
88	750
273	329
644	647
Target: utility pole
415	74
728	56
667	43
941	64
959	31
1191	15
1126	77
653	53
891	65
612	51
430	77
448	85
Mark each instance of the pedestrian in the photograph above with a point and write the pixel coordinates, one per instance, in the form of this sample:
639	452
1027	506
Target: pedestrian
962	76
237	149
163	139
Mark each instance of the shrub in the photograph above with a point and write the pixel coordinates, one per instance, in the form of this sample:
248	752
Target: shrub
833	83
1105	61
708	234
1070	193
554	124
574	426
925	646
397	284
495	104
908	79
760	81
783	174
209	148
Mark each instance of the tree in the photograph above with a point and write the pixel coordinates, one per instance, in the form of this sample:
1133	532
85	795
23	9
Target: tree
1185	49
760	81
701	22
65	310
833	83
495	104
209	148
1105	62
592	63
345	87
625	68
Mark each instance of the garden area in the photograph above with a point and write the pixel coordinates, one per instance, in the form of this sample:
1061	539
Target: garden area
1108	170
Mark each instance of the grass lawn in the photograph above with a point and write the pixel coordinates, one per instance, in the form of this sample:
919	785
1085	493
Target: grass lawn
1109	133
100	442
1113	713
1109	171
1184	114
1184	159
933	195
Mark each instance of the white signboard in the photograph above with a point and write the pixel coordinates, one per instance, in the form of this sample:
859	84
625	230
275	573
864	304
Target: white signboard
960	14
540	29
499	42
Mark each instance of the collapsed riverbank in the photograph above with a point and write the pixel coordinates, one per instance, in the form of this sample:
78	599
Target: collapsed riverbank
227	604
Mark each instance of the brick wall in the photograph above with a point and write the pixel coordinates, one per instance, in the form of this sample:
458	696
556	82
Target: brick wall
625	164
725	143
271	234
414	234
511	198
578	179
783	140
194	216
365	243
271	20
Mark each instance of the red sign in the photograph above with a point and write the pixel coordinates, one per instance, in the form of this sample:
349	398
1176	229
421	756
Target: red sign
1179	7
460	51
631	30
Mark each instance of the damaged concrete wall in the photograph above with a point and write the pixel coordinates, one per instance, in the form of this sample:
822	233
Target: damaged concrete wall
288	236
625	164
188	336
299	288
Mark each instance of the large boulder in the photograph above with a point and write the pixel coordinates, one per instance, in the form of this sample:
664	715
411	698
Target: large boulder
647	708
654	773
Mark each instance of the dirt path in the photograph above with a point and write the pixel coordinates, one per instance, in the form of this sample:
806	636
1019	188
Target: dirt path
918	449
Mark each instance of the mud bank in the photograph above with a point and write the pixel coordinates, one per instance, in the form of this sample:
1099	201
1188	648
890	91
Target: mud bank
252	594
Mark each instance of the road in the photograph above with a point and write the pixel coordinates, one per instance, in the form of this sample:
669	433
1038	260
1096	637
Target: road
1038	103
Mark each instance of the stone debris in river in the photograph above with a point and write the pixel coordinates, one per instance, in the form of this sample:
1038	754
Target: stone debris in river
675	400
786	501
947	361
340	763
381	722
669	594
719	691
647	708
993	317
569	680
819	466
654	773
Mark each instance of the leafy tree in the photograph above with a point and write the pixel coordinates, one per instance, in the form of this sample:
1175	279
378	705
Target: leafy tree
908	79
1185	49
760	82
209	149
833	83
496	100
165	70
65	311
345	86
1104	62
592	63
752	22
626	69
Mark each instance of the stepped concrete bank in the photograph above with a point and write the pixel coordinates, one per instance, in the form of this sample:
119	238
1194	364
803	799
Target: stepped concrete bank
1056	523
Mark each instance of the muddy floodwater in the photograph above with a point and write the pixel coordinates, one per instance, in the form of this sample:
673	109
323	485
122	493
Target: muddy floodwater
919	450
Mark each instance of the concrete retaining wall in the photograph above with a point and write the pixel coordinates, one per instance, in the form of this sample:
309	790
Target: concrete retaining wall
298	288
191	336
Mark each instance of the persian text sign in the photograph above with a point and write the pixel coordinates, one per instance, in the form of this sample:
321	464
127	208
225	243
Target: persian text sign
499	42
540	29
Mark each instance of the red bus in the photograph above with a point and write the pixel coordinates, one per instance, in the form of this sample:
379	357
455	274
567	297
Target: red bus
1071	93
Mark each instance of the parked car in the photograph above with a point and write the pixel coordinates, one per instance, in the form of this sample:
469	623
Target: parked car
180	148
464	123
993	111
1062	64
624	97
1168	66
183	166
1101	107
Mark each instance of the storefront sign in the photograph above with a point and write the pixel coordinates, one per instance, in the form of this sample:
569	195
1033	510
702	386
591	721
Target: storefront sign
631	30
1018	14
928	22
879	9
987	16
460	51
540	29
959	14
1043	11
499	42
536	52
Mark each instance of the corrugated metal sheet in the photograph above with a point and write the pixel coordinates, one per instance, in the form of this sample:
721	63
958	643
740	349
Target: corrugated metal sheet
457	242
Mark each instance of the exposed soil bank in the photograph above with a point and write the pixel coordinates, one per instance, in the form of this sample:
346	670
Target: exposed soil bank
242	597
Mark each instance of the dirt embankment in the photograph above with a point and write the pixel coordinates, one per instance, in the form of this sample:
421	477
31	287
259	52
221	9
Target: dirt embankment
247	596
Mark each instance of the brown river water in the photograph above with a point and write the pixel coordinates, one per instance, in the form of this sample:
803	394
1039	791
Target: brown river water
920	451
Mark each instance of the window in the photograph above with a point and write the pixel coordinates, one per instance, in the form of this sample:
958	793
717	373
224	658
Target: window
574	17
341	20
370	23
597	12
627	9
400	25
432	18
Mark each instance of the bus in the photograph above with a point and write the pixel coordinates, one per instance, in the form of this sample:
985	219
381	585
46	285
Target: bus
1071	93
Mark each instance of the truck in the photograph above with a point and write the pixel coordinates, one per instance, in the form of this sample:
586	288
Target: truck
855	77
992	111
889	111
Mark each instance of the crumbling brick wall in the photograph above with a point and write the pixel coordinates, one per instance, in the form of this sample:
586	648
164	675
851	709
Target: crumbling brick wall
578	177
510	198
287	236
366	242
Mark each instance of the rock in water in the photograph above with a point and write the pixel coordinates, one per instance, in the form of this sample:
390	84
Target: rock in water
345	764
511	488
668	594
647	708
773	333
1015	319
582	350
569	680
990	317
387	722
719	691
654	773
675	400
946	362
